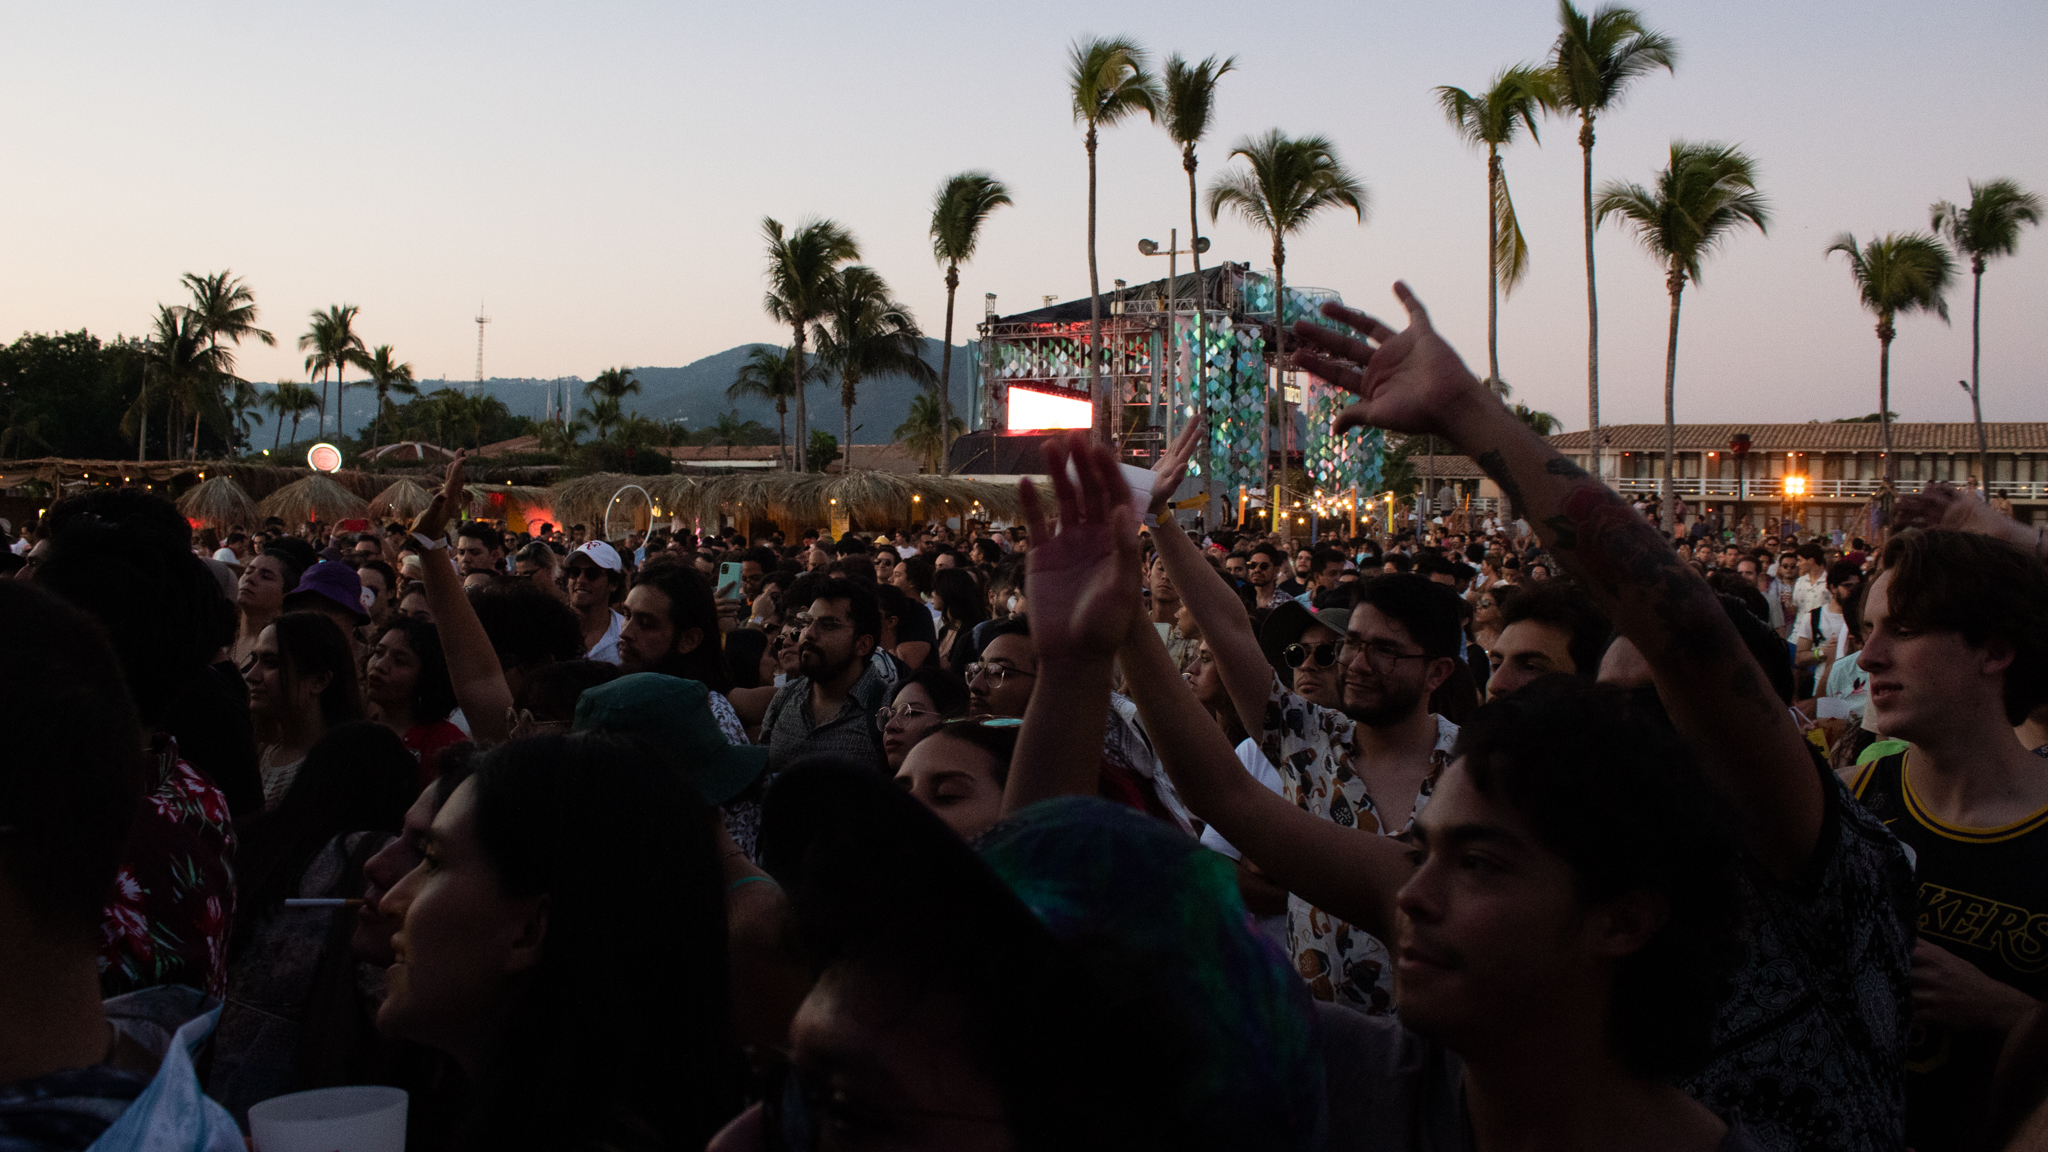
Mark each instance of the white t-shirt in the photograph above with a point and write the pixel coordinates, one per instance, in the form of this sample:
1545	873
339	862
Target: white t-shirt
1830	628
1262	770
607	649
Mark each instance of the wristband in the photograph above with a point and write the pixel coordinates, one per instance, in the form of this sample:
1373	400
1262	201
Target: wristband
735	885
1149	520
429	543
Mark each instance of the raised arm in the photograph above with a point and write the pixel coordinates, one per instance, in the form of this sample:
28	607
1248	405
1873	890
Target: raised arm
1225	626
473	668
1412	381
1351	874
1082	582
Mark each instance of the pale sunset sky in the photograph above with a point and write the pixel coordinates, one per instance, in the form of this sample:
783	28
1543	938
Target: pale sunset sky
596	174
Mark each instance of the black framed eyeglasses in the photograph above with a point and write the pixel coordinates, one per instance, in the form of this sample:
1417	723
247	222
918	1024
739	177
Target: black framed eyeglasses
997	673
1380	655
1323	654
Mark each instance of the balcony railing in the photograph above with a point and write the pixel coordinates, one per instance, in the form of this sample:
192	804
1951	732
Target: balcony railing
1768	489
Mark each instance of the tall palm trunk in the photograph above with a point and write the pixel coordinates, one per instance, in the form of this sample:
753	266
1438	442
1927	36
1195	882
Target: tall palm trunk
1195	385
1273	492
803	418
1493	179
323	401
1976	403
782	433
377	422
1592	302
195	435
945	366
142	426
1885	332
847	384
340	427
1096	395
1675	281
277	438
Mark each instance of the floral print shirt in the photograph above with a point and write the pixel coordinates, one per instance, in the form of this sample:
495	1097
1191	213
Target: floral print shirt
174	896
1312	748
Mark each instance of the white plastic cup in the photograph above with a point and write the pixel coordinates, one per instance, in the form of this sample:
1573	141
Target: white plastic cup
366	1118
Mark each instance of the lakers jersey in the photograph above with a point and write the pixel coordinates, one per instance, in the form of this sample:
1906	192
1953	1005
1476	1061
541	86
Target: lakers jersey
1984	897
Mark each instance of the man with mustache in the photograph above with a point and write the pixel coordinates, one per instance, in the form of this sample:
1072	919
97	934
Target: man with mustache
830	705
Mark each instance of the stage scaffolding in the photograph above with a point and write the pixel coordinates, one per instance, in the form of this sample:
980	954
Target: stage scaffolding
1219	329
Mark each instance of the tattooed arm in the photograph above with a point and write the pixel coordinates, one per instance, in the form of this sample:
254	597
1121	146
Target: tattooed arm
1412	381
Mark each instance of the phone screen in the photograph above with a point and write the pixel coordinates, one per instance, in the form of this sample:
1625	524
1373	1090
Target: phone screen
728	581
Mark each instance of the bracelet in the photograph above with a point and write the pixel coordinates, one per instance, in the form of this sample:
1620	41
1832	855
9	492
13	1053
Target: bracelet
735	885
429	543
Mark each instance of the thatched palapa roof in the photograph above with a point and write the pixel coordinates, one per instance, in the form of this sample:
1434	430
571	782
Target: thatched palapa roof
316	497
219	503
402	501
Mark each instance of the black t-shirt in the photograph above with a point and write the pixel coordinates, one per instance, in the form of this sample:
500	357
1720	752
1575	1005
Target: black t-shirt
1983	895
208	713
1809	1045
915	626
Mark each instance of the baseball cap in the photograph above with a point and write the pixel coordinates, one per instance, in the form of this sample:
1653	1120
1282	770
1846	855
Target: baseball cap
334	581
675	715
601	554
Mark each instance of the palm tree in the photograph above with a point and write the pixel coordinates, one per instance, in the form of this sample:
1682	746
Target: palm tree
559	435
1593	61
245	404
603	415
958	209
613	384
1901	272
924	433
866	333
1190	106
803	270
1703	195
1109	84
1287	184
184	367
289	399
387	376
769	373
1492	120
1989	227
335	345
225	307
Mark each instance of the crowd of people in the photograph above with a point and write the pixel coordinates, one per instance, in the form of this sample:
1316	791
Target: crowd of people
1534	830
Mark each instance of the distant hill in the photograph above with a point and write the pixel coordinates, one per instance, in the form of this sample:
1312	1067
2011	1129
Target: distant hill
695	394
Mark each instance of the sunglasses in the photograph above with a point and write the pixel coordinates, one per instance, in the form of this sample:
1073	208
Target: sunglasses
1323	654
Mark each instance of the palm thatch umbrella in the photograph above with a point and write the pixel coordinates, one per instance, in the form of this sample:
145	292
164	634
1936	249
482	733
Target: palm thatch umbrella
220	504
317	497
402	501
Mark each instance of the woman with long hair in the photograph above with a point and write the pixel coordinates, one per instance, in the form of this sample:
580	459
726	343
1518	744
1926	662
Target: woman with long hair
407	689
958	597
564	941
302	682
343	805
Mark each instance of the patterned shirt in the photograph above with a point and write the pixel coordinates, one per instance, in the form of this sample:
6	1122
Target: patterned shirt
1809	1048
1312	747
174	895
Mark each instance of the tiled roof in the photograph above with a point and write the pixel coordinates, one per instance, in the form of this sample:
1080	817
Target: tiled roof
2024	436
1446	467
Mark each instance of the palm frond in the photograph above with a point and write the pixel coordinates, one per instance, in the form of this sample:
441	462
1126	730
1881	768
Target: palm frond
1108	81
959	208
1510	251
1189	91
1990	225
1596	57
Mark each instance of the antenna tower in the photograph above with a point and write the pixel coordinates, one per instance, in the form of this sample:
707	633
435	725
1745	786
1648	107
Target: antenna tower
481	320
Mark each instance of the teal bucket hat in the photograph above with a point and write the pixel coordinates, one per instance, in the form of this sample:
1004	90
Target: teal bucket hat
675	716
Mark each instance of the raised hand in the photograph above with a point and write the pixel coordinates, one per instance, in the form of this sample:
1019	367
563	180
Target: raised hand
433	519
1167	473
1407	381
1082	580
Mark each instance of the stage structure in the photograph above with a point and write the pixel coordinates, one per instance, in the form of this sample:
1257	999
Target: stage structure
1219	326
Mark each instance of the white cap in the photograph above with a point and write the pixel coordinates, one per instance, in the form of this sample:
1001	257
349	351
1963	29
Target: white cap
601	554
